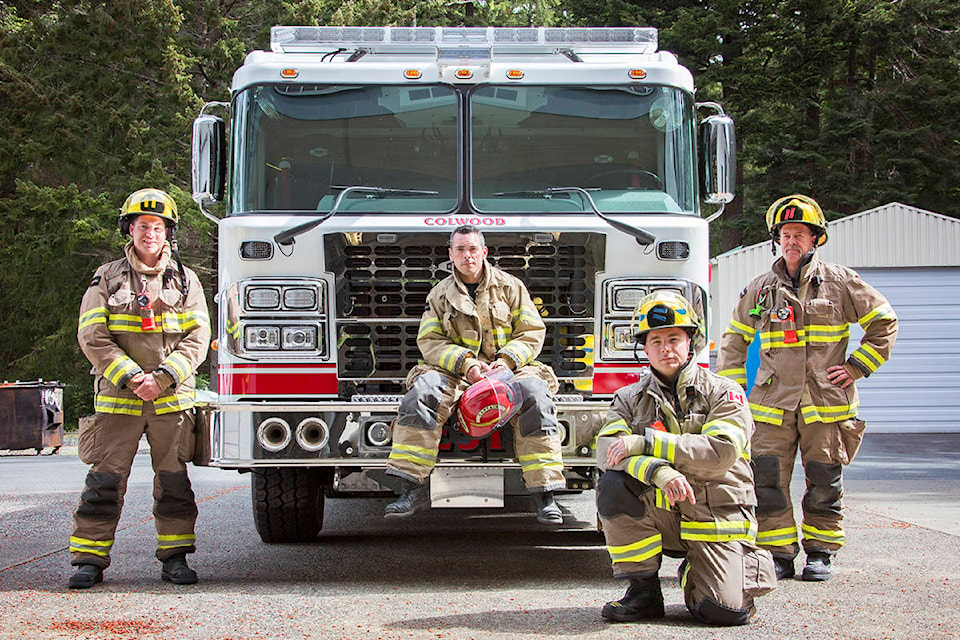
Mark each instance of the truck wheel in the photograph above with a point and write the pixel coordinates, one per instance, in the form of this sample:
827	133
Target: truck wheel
287	504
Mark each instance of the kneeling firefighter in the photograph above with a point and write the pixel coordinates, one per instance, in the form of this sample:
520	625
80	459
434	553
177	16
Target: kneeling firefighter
675	451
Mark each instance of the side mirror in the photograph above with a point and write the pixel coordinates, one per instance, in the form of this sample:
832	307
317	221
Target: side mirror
718	159
208	160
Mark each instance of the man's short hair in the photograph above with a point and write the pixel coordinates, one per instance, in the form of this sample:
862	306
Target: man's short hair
467	229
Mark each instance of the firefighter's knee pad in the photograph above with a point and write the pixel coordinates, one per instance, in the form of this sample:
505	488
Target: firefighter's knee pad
766	478
176	496
419	405
538	413
101	496
716	614
619	494
824	488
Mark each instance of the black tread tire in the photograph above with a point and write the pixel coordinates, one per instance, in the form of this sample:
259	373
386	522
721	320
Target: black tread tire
287	504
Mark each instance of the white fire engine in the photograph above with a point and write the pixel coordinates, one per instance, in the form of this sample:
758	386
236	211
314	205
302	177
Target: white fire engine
345	158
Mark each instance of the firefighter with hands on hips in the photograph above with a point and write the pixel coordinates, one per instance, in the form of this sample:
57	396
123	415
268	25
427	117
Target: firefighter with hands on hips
479	322
144	327
675	455
804	395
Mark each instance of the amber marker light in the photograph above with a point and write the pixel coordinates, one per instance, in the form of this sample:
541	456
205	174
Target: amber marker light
412	74
464	74
289	74
514	74
637	74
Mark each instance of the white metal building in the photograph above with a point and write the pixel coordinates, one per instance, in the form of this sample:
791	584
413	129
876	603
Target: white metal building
913	257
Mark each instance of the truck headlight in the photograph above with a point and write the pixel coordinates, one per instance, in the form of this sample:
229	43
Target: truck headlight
623	339
261	338
262	298
300	298
299	338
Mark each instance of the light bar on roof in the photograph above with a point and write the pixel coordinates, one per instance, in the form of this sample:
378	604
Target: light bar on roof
427	39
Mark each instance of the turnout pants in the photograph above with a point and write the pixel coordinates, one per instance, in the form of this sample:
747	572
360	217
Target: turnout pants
109	443
720	577
431	400
822	455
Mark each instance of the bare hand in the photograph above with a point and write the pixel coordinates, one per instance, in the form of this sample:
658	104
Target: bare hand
477	371
147	388
678	490
616	452
839	376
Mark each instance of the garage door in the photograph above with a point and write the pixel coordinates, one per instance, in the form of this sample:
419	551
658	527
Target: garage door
918	389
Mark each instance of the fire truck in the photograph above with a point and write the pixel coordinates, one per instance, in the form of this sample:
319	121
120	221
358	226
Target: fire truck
336	173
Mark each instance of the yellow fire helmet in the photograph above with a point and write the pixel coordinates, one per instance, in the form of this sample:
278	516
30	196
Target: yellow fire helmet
797	208
153	202
662	310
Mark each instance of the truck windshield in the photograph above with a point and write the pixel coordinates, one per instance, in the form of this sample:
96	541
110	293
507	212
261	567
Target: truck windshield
631	147
299	145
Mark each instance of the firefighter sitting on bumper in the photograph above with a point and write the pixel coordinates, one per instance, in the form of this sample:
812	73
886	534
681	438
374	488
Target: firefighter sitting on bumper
144	327
478	320
675	452
804	394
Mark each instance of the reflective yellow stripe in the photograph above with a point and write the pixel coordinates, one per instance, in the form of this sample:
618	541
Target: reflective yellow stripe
738	375
126	323
778	537
614	428
119	369
664	445
728	431
113	404
474	345
97	315
180	365
532	317
823	535
883	312
451	356
519	352
642	467
770	415
174	541
94	547
869	356
637	551
836	413
417	455
233	329
827	332
174	403
774	340
660	500
429	326
715	531
744	330
537	461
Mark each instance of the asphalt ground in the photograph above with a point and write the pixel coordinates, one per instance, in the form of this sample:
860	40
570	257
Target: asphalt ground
457	574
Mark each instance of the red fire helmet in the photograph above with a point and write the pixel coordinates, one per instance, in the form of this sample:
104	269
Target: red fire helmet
486	406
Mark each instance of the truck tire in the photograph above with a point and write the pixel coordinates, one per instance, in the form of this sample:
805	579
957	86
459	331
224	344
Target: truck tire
287	504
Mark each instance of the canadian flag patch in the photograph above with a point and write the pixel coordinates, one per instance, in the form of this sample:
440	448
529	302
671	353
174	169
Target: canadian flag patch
737	396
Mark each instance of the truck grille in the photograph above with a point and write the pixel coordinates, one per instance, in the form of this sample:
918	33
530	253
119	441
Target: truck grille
382	282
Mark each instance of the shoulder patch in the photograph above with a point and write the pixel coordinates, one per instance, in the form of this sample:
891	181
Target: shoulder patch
95	281
744	292
737	396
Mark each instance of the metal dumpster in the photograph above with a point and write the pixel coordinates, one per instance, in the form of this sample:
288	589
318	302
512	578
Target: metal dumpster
31	415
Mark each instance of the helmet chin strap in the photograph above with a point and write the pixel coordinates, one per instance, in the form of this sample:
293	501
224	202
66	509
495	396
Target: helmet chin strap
175	250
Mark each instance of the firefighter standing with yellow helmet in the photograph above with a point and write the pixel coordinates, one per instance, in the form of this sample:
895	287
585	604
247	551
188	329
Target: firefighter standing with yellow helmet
804	394
144	327
675	452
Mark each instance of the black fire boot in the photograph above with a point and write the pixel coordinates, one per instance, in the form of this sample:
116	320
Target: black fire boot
412	498
643	601
818	567
784	567
548	512
85	577
175	570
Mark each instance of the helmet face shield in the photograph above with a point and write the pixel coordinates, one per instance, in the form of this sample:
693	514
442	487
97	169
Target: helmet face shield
797	208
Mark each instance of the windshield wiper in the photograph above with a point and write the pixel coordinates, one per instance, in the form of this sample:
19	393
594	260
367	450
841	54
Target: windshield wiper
286	237
644	238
